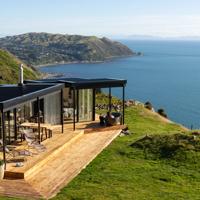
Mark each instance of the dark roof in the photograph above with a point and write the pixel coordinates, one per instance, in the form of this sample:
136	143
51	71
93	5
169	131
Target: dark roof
12	95
81	83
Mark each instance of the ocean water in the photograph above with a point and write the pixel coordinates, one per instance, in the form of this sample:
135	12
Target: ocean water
168	75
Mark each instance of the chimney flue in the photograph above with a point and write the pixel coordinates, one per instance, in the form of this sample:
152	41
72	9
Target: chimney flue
21	75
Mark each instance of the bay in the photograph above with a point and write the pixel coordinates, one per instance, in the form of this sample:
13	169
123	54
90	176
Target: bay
168	75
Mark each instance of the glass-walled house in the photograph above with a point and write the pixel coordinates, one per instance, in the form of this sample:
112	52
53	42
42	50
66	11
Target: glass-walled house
79	96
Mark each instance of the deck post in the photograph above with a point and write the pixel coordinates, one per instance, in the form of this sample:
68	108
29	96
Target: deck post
77	105
8	116
123	103
93	104
110	99
3	137
38	111
61	110
15	123
74	108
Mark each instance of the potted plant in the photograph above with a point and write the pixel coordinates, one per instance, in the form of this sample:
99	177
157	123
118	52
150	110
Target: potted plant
1	169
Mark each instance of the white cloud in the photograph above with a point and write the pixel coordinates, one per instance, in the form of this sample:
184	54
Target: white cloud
158	25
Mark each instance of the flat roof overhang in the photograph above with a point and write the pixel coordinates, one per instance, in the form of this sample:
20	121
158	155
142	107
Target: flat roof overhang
80	83
13	95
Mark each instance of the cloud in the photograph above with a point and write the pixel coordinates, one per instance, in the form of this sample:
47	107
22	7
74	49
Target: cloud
158	25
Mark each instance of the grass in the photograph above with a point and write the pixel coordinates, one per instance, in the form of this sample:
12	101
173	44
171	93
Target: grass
124	172
9	69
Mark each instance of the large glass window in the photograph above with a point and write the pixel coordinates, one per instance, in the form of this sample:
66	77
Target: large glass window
9	126
85	105
68	107
52	108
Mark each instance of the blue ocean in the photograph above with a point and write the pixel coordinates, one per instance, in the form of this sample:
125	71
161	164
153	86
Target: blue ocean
168	75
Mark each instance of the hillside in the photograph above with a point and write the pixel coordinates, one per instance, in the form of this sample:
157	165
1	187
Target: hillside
134	166
45	48
9	68
125	171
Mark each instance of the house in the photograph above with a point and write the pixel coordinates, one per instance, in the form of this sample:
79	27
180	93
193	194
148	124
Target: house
51	101
59	112
79	95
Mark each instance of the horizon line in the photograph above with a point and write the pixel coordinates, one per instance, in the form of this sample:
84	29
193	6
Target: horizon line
119	36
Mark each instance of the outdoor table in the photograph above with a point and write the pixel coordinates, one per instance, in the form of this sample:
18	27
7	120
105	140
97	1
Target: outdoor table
43	126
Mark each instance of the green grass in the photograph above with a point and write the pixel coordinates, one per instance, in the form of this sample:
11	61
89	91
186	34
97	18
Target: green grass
124	172
9	69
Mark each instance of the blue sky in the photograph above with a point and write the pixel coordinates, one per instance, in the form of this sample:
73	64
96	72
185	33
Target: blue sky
100	17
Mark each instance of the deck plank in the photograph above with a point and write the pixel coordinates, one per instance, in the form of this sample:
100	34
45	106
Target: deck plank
18	188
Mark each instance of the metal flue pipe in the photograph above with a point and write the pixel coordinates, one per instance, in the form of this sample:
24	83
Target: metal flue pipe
21	75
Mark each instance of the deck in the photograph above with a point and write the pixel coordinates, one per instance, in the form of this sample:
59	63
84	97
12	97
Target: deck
42	176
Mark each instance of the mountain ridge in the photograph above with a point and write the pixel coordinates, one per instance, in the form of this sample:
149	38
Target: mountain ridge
47	48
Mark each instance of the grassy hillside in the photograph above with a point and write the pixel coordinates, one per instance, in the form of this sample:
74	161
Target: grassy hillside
9	68
45	48
123	171
132	167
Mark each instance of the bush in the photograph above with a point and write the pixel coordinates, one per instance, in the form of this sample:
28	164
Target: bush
177	147
148	105
161	112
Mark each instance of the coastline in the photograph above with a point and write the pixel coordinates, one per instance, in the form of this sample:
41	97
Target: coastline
108	59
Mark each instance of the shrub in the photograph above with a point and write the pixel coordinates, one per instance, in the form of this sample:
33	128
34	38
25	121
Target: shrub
148	105
161	112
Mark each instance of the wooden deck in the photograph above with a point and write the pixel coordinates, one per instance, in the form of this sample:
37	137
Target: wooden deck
42	176
53	147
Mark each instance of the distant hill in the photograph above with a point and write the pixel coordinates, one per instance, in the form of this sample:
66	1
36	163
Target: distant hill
9	68
44	48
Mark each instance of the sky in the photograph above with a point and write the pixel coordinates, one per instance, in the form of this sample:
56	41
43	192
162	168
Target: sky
171	18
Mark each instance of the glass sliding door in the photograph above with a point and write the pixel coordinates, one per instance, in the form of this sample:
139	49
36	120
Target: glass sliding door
85	105
9	126
52	108
68	107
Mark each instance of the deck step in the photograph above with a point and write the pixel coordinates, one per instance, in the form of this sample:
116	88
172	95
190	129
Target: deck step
107	128
61	170
33	167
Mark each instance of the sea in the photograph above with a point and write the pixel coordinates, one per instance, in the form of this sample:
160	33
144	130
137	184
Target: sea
167	75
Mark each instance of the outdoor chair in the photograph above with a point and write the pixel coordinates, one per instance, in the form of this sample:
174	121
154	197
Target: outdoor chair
102	119
117	116
13	154
113	119
32	142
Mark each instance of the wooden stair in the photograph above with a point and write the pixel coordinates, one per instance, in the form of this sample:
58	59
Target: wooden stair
60	171
54	146
47	180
